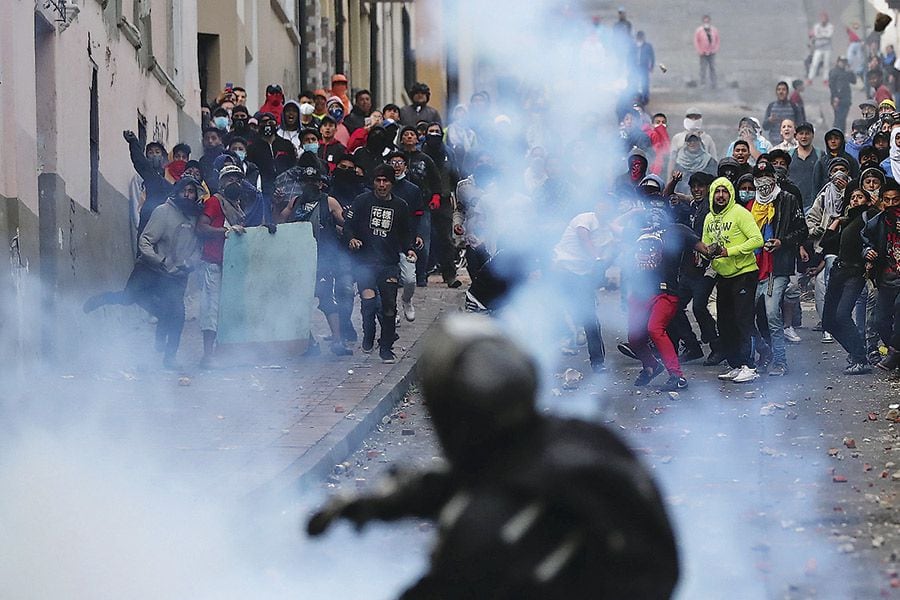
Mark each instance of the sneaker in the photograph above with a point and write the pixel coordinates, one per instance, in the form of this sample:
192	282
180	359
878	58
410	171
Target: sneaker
874	357
791	335
858	369
409	311
367	346
338	349
715	358
647	375
689	354
387	356
778	370
673	383
730	375
827	338
625	349
746	375
454	283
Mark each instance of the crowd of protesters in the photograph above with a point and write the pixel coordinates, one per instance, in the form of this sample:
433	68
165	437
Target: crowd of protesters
397	193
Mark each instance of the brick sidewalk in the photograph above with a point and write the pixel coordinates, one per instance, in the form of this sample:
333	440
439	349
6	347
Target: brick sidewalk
235	431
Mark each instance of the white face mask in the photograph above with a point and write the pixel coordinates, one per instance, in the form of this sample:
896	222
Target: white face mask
693	124
307	109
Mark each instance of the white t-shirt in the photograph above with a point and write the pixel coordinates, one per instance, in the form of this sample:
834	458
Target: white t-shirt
570	254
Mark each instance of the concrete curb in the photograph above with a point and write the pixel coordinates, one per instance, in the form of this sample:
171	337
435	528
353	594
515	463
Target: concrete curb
311	469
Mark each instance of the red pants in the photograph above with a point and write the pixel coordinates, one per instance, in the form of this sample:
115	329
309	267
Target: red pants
648	318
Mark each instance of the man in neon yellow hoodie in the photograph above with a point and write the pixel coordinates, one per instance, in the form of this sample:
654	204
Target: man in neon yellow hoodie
732	236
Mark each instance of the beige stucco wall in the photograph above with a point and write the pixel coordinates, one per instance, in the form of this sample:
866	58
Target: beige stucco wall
278	53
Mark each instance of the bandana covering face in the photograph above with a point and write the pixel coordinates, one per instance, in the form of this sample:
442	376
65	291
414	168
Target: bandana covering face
766	189
693	124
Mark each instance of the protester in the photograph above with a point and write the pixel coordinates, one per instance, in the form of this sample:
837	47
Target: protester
820	36
706	42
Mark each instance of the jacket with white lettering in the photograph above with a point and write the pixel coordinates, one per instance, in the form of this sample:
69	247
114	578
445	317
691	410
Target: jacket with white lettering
735	229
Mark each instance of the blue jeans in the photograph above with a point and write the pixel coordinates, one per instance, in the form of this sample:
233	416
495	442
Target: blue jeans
774	316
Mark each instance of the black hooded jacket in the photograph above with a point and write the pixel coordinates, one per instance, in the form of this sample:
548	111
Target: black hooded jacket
820	171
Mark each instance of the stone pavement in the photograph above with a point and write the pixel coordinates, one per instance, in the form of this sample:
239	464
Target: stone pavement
232	431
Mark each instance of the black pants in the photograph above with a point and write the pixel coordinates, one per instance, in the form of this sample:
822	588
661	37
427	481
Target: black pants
844	288
160	295
696	292
735	304
441	246
383	280
840	115
887	315
580	293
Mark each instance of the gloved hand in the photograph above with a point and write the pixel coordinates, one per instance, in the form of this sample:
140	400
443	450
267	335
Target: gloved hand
272	227
435	202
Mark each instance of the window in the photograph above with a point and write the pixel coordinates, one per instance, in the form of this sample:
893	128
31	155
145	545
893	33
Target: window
95	143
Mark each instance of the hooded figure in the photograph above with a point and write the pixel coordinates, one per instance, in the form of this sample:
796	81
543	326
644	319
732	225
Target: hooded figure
569	487
274	102
834	146
693	123
291	131
829	203
891	164
693	158
732	169
637	170
378	145
336	111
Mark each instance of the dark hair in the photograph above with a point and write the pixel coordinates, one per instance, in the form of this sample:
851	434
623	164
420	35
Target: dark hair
239	108
640	35
215	130
155	143
784	83
220	111
361	93
867	150
192	164
237	138
796	83
388	107
385	171
394	155
347	156
310	131
740	143
182	147
236	88
875	73
663	115
306	93
890	185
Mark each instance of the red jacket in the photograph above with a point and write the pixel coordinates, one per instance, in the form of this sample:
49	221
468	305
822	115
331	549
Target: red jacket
659	140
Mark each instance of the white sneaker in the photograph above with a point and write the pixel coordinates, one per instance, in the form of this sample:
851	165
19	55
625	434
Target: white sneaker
730	375
791	335
746	375
409	311
827	338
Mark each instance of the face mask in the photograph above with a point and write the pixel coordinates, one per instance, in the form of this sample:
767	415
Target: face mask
433	139
691	124
336	113
232	191
268	130
387	122
346	176
188	206
241	154
157	161
221	122
839	176
311	147
307	109
859	137
239	125
764	186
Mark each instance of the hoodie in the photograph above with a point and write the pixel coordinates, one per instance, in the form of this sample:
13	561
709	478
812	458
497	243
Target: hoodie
274	104
820	171
735	229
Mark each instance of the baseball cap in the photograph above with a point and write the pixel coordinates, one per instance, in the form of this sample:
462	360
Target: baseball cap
231	170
